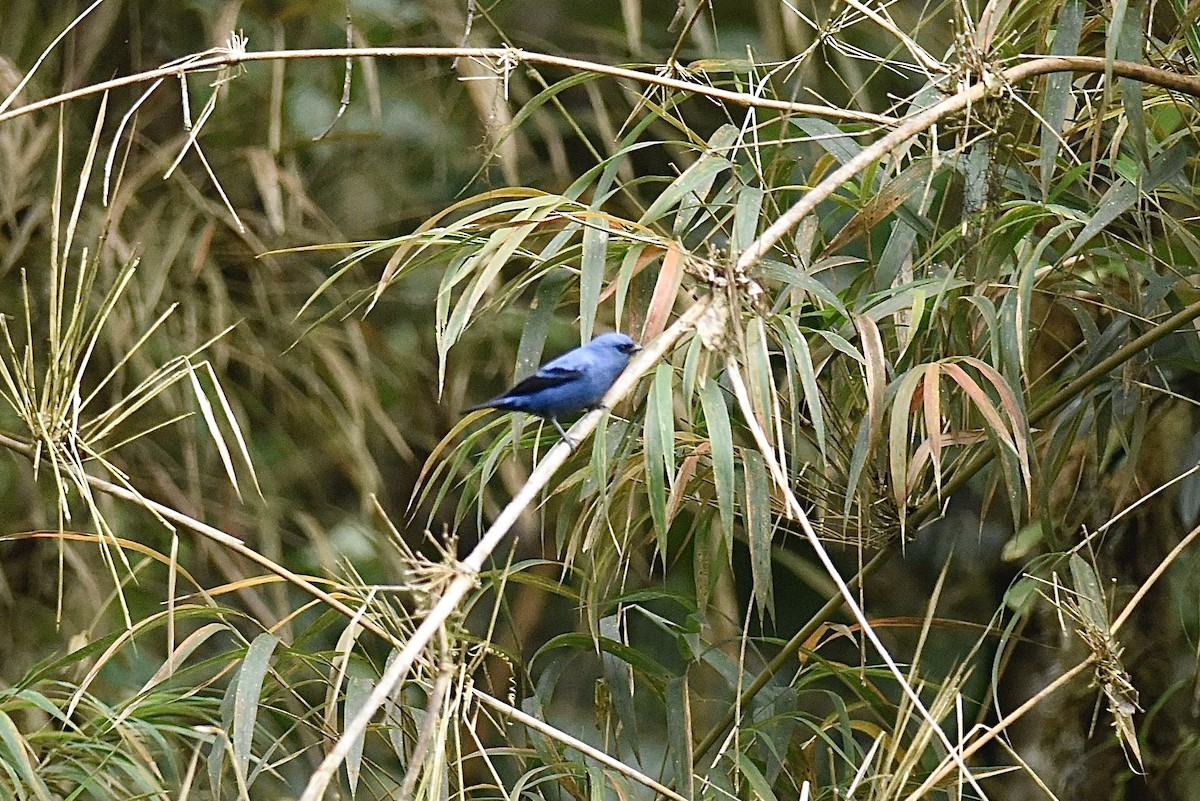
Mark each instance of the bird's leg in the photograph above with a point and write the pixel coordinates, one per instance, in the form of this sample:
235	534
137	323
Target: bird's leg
568	440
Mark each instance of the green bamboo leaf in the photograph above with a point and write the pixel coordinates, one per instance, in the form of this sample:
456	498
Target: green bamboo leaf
658	438
760	378
484	266
456	271
695	362
858	463
740	65
537	322
897	254
248	695
598	783
916	315
720	437
1191	31
1123	40
1057	100
1089	592
709	558
758	530
693	185
1123	194
746	215
840	343
837	142
898	438
598	480
618	677
661	397
358	688
759	786
977	177
464	229
18	761
646	668
991	323
591	275
808	382
679	734
799	278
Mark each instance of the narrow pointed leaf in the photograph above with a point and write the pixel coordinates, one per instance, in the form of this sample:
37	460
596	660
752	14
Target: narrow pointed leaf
720	435
758	530
248	696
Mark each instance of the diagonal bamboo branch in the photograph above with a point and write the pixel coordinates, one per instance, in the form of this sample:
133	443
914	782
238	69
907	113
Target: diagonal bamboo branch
468	569
923	120
911	127
1071	390
236	545
796	512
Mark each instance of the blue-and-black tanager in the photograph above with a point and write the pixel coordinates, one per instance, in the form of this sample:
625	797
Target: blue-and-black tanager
571	383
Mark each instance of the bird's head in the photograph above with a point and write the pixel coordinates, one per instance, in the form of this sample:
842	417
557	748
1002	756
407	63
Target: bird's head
616	341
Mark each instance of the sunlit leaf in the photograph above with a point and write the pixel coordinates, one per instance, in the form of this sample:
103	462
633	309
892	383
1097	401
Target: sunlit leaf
248	697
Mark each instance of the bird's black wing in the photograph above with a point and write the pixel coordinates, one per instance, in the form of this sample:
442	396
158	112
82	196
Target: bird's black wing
544	379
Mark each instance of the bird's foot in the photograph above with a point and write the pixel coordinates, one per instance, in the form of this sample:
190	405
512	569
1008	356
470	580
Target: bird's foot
562	433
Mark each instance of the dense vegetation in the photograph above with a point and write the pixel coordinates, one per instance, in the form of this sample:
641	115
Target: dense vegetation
899	501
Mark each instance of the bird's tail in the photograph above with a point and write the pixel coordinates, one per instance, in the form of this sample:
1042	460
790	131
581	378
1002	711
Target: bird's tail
500	403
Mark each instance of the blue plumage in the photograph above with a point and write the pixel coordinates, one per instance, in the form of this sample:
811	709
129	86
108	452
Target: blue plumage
571	383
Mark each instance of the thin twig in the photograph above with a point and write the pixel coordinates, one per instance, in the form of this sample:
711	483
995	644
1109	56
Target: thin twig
6	102
466	31
349	72
226	58
595	753
687	28
930	64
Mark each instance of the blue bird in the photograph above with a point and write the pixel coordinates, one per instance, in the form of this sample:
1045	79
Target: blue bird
570	383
